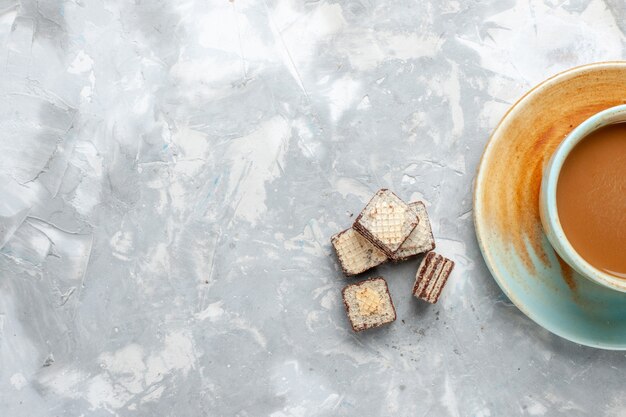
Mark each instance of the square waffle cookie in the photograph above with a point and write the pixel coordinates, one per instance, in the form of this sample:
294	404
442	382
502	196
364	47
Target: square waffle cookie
386	221
431	277
355	253
420	240
368	304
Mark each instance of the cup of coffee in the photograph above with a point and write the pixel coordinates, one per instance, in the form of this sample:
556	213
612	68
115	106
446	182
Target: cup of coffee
582	203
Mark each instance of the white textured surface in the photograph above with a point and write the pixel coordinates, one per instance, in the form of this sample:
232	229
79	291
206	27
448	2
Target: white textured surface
171	174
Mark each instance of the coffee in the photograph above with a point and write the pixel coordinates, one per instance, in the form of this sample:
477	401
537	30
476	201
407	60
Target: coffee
591	199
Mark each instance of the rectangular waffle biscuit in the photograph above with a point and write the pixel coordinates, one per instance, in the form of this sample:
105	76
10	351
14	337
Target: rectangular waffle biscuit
355	253
368	304
386	221
421	239
431	277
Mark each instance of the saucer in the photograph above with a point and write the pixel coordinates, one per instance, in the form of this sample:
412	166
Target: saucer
506	208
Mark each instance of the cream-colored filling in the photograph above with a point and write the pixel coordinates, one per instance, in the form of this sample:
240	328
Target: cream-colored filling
369	301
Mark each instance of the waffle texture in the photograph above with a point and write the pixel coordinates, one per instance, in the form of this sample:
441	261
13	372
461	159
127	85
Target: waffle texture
369	301
386	221
421	239
368	304
355	253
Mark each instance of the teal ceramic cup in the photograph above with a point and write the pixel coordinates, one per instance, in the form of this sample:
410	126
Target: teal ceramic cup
548	205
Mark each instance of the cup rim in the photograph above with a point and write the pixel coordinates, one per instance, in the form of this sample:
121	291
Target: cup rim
606	117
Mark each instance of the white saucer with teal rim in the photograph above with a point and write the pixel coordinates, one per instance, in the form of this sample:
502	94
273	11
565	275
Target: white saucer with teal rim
506	208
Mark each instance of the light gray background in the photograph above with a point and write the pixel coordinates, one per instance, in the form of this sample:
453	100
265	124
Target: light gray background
172	171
